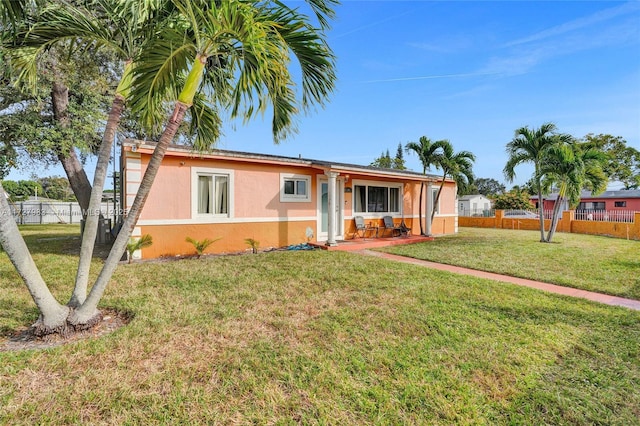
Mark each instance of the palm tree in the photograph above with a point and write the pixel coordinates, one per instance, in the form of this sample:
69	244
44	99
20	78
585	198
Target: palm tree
530	146
214	55
572	167
138	244
428	153
122	28
457	165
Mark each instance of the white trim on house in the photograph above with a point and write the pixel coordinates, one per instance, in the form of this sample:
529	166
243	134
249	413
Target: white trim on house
133	174
217	220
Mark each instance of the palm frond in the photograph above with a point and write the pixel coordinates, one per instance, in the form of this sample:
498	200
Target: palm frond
155	75
247	47
200	245
138	244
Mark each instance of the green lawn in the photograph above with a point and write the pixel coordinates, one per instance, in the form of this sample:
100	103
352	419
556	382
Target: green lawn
601	264
320	338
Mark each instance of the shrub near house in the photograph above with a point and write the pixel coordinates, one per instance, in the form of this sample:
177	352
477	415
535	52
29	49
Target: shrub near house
513	200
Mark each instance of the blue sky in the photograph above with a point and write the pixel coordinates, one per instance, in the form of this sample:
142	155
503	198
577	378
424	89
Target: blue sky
470	72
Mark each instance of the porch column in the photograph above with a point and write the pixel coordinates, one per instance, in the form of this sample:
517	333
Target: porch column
331	208
429	207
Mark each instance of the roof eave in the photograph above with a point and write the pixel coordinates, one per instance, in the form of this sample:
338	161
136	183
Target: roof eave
148	147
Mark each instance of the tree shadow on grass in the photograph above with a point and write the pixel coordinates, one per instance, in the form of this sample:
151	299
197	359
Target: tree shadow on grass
600	355
15	312
62	243
628	264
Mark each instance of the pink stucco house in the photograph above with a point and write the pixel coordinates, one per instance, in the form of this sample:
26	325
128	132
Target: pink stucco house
275	200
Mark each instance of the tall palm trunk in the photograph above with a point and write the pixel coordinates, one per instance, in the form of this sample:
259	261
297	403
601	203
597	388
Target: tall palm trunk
540	204
91	222
53	315
86	313
91	225
556	212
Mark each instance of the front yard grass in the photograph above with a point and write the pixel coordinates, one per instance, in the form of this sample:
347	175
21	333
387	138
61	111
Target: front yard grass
315	337
588	262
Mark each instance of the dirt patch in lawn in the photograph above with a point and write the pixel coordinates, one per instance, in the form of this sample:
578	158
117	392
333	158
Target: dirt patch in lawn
24	338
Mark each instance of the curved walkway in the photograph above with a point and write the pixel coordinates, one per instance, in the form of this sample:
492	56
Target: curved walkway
552	288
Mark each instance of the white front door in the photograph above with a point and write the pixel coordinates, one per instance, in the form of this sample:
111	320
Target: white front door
323	209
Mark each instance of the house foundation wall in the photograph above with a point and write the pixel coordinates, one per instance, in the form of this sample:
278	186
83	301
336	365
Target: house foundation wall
169	240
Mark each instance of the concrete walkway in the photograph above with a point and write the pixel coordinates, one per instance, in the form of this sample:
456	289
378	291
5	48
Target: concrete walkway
552	288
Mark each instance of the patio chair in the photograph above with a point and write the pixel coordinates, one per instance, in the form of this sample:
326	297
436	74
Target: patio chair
390	226
361	228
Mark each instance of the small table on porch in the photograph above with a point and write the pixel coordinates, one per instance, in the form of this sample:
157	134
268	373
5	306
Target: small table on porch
371	228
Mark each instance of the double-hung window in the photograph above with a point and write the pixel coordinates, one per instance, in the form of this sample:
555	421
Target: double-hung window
436	205
295	188
376	198
211	192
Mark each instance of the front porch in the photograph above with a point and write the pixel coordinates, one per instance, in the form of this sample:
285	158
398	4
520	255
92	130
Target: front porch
369	243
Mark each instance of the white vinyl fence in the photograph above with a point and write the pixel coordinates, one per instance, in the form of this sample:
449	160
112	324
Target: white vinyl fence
623	216
476	212
41	212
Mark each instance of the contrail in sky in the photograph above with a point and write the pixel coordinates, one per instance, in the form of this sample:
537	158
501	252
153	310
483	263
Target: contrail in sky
431	77
373	24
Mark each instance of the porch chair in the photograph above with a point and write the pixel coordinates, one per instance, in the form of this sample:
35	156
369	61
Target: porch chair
361	228
389	225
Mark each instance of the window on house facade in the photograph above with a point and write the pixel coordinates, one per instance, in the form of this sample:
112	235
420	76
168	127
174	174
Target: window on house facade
620	204
295	188
591	205
376	198
436	206
212	192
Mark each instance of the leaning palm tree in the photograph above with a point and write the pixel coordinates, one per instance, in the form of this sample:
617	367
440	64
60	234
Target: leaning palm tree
531	146
456	165
118	26
428	153
571	167
218	55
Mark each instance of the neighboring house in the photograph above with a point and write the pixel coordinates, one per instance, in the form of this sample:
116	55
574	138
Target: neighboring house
277	201
474	205
624	200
